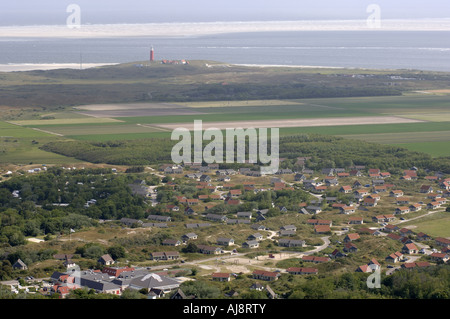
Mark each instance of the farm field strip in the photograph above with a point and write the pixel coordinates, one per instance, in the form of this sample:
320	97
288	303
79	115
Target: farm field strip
295	122
66	121
407	137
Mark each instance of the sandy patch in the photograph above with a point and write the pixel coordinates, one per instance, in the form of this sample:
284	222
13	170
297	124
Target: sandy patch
361	120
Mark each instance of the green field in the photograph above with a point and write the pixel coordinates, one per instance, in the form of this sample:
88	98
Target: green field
436	225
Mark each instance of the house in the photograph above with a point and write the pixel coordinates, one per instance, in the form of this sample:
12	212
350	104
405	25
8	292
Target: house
106	260
291	243
433	205
337	254
371	202
442	242
401	210
356	221
130	222
322	229
302	271
19	264
234	193
256	236
396	193
250	244
426	189
422	236
216	217
374	264
394	257
390	228
351	237
440	257
219	276
409	249
415	207
189	236
402	200
348	210
209	250
288	227
246	215
225	241
171	242
363	268
265	275
314	209
166	255
350	248
345	189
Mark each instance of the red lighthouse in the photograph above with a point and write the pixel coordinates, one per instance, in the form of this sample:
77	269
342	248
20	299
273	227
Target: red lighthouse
152	55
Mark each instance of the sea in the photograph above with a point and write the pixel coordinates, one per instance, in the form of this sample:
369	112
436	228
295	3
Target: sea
372	49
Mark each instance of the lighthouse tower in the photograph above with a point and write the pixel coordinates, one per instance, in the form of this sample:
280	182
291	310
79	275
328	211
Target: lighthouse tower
152	55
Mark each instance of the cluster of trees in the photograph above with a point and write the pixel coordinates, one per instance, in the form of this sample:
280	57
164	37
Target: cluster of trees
57	201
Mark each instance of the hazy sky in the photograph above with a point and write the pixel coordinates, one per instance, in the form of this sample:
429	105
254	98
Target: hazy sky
49	12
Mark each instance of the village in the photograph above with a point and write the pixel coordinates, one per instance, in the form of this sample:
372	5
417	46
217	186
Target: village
346	210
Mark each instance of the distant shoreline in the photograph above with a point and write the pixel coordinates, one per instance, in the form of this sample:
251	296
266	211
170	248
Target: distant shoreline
18	67
219	27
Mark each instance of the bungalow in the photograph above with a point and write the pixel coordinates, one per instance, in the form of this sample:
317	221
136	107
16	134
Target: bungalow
394	257
319	222
19	264
380	189
209	250
422	236
345	189
265	275
394	236
356	221
299	177
426	189
390	228
433	205
291	243
219	276
350	248
302	271
246	215
188	211
250	244
370	202
216	217
440	257
363	268
322	229
189	236
287	233
409	249
337	254
314	209
351	237
415	207
402	200
355	172
230	201
234	193
348	210
288	227
106	260
360	193
171	242
442	242
374	264
255	236
401	210
396	193
411	173
225	241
